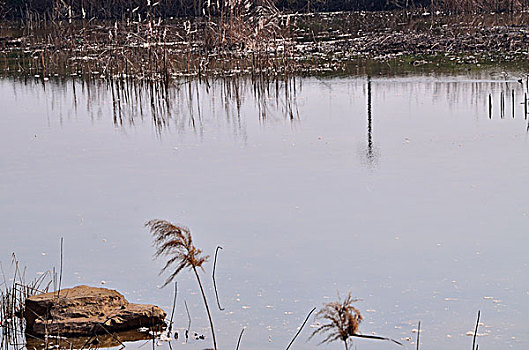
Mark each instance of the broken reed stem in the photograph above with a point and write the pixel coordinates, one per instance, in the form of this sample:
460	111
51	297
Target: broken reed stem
188	321
300	328
239	341
214	281
172	310
418	334
476	332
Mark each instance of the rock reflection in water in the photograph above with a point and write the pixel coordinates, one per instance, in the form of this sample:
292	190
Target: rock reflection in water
99	341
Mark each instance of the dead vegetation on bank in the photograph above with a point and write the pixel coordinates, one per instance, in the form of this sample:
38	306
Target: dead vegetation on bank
244	38
43	10
257	41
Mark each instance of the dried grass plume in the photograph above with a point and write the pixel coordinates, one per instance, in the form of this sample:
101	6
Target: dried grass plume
343	320
175	241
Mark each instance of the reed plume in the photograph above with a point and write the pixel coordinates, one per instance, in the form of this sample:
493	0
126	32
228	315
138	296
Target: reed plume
343	318
175	241
343	322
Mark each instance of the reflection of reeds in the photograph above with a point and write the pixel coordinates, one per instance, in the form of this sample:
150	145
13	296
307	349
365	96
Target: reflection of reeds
180	105
176	243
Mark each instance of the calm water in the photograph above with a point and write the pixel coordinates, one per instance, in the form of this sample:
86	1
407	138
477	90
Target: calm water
402	191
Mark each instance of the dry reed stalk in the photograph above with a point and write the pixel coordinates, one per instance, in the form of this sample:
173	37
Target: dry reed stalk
213	277
300	328
239	340
475	332
176	242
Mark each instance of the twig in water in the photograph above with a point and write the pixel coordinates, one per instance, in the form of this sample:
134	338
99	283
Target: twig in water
418	334
475	332
300	328
213	275
239	341
172	311
376	337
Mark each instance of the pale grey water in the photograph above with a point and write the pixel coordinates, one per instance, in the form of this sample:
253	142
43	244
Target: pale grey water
424	221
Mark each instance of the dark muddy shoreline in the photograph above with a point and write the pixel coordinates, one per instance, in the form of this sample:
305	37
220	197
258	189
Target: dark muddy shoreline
266	44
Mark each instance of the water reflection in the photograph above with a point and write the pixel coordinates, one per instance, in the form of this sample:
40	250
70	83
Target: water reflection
109	340
186	103
453	197
189	103
179	104
371	153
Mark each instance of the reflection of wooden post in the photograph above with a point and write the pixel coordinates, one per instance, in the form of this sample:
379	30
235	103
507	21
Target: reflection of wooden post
490	106
525	105
502	105
370	151
369	121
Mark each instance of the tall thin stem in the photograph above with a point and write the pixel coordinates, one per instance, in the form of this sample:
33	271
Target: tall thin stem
207	308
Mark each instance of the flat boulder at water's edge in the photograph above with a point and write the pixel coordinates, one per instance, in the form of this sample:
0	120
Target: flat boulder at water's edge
84	310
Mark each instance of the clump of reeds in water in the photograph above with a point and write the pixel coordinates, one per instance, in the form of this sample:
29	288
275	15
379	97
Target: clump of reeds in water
13	295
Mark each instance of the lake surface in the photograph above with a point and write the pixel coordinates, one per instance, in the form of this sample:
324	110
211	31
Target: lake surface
409	192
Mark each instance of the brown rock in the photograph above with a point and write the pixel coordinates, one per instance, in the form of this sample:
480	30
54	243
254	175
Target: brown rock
86	311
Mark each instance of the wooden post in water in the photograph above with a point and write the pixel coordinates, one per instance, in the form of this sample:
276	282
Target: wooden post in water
512	100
